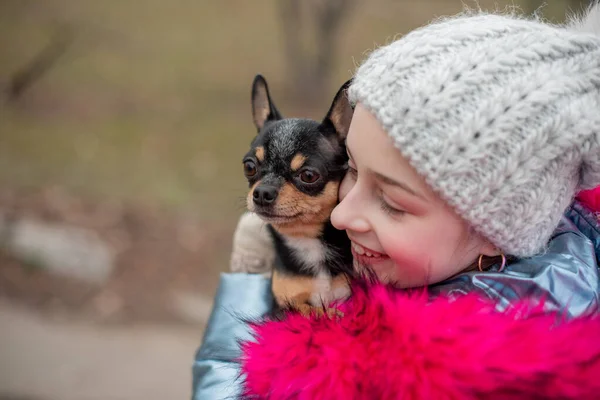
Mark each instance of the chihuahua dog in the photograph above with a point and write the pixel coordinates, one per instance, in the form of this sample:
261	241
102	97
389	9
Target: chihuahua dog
294	168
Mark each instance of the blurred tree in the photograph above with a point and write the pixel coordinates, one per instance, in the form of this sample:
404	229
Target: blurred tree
310	66
29	73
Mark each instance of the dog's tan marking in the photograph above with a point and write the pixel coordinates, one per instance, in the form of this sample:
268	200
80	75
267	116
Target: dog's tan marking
297	162
297	291
290	289
249	199
315	210
260	153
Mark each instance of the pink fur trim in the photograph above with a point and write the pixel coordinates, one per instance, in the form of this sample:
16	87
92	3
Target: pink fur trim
398	345
591	198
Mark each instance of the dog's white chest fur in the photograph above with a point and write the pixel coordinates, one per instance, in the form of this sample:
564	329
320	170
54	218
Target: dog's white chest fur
313	254
310	252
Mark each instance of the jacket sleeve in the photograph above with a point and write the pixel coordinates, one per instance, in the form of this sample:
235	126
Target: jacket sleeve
240	297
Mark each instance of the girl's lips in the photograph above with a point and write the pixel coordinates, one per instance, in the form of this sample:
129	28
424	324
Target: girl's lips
366	256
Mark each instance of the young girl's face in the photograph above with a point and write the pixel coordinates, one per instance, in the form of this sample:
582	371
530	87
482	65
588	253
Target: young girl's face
398	226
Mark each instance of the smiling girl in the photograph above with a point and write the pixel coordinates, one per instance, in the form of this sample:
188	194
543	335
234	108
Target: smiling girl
470	139
394	219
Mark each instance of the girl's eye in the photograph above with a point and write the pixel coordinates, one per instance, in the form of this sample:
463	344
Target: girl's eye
352	171
385	207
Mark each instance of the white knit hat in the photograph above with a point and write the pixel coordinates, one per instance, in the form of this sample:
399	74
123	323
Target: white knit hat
499	114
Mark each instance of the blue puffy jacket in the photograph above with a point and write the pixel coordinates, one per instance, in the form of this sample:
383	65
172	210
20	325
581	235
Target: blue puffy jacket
566	276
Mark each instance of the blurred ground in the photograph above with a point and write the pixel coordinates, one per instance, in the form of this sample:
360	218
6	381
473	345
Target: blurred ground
136	133
74	361
160	256
133	337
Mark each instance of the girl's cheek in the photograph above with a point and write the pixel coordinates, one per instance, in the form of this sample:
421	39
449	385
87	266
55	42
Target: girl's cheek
393	249
403	255
395	256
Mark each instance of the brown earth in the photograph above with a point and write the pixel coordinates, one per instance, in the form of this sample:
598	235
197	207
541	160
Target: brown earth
159	253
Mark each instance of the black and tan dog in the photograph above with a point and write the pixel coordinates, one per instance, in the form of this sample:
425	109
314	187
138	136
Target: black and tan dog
294	168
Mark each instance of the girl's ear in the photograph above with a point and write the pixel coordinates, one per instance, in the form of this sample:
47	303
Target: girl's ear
489	250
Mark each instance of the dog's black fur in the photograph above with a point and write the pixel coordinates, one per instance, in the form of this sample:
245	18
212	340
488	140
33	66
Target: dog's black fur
294	168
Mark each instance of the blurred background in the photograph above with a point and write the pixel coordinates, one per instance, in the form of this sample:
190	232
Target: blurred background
122	127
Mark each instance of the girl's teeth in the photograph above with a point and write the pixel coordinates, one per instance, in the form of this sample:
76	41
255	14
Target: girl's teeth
358	249
361	251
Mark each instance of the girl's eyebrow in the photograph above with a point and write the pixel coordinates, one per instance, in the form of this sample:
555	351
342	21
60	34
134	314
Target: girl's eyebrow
389	181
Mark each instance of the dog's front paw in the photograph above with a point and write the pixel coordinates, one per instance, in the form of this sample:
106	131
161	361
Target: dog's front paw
253	250
328	289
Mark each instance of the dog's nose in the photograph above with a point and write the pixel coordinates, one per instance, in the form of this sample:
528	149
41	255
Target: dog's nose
264	195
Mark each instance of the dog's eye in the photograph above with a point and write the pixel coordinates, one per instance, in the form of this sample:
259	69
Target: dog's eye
308	176
249	168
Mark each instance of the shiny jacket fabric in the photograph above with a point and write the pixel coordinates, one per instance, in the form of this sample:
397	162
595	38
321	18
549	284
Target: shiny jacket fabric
565	276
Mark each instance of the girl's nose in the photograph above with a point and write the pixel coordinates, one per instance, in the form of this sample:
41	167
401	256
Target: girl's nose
349	214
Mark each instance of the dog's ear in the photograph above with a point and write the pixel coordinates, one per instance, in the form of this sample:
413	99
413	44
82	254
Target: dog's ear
340	112
263	109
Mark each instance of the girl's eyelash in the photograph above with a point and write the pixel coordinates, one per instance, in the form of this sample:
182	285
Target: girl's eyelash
352	171
385	207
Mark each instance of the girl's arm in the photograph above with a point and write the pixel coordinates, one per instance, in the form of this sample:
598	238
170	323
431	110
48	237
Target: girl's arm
240	297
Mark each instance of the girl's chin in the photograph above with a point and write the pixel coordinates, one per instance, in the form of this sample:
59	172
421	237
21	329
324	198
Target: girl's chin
383	269
387	272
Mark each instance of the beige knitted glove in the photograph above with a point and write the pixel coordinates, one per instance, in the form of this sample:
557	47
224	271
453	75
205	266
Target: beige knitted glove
253	250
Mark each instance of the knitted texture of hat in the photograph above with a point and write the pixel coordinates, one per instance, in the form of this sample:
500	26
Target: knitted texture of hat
500	115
